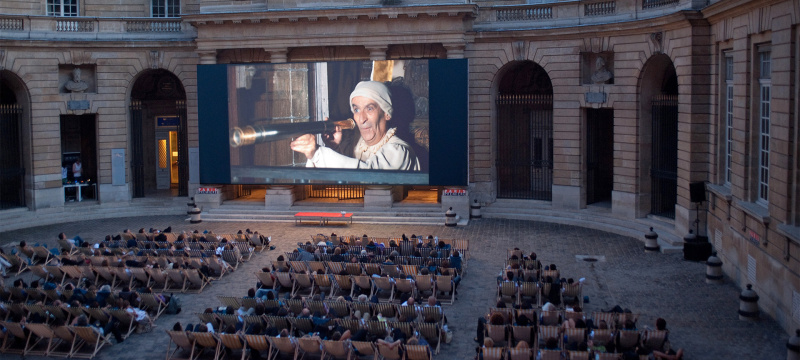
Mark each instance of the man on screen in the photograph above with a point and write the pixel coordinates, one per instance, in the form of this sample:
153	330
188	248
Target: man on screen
377	148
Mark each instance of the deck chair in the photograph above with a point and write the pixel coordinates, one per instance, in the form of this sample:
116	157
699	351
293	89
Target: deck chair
432	333
425	284
124	278
230	343
127	322
195	281
405	327
389	353
302	325
387	310
153	305
75	273
433	314
215	265
523	333
627	339
324	284
654	339
96	315
343	285
572	293
57	312
266	280
608	356
384	289
257	343
140	275
545	332
576	336
66	247
303	285
406	287
176	280
376	328
551	318
182	342
349	324
316	306
418	352
42	255
245	250
334	268
602	336
317	267
498	334
160	280
528	290
40	272
284	281
93	339
444	285
309	346
353	268
412	270
57	275
285	345
280	322
205	341
572	315
550	354
295	305
298	266
608	317
507	292
579	355
493	353
106	274
372	269
17	264
338	308
16	341
364	283
363	348
232	257
339	350
520	354
67	342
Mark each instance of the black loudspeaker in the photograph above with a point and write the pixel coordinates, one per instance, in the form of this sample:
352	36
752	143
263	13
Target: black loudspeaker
697	192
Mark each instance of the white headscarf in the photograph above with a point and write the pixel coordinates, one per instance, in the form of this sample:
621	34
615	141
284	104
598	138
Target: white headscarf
376	91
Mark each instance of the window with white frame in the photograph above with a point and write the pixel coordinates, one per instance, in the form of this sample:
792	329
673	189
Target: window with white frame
62	7
764	90
728	116
166	8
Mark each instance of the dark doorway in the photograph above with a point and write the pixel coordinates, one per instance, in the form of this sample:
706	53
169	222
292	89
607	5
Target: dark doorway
664	170
599	155
12	173
525	133
79	141
157	98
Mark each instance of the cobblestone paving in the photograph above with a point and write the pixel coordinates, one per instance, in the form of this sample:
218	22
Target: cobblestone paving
702	318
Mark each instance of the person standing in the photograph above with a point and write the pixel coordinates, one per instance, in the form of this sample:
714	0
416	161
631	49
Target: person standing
77	170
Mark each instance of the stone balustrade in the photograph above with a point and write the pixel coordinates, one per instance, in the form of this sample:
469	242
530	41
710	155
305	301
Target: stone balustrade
76	28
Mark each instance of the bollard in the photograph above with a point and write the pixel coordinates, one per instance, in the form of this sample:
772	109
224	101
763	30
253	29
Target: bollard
651	241
475	210
713	269
748	304
793	346
195	216
191	205
450	218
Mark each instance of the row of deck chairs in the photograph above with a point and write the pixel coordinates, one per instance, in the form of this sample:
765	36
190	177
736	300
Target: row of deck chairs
343	309
148	302
402	259
42	340
455	244
183	280
222	345
304	284
408	265
537	292
164	248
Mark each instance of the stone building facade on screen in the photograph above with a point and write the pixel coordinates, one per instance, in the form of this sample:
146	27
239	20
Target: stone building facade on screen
623	103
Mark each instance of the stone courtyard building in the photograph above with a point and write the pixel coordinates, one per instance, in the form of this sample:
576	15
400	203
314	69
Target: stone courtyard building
678	114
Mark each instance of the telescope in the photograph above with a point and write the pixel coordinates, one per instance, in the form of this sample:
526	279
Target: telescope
260	133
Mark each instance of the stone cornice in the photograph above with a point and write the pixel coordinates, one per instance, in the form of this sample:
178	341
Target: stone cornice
733	8
464	11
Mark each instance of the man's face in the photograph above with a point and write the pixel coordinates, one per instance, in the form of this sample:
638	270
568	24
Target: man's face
370	118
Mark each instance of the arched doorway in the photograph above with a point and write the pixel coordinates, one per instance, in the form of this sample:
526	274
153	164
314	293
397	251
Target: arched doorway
159	141
659	136
525	133
12	168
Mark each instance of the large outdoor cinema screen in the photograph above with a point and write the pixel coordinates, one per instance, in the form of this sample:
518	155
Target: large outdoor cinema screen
393	122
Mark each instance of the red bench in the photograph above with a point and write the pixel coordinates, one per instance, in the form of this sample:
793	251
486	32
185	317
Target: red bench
323	217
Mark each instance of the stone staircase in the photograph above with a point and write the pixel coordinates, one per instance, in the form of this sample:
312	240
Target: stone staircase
594	217
400	214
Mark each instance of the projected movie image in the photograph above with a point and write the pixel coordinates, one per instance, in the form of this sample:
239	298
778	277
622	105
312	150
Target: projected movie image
354	122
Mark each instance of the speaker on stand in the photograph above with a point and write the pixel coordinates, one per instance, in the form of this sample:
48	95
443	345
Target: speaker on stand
696	247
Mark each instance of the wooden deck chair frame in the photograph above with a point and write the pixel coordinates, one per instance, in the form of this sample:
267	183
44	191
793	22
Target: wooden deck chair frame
418	352
608	356
498	334
230	343
520	354
298	266
205	341
572	290
195	281
278	345
350	324
16	263
183	342
15	335
96	314
302	283
344	284
575	335
230	257
105	273
92	338
127	322
550	318
341	308
284	280
445	284
41	255
493	353
384	285
257	343
404	286
152	305
124	278
339	350
140	275
57	274
364	348
432	333
627	339
602	336
324	284
387	353
309	346
66	247
545	332
609	318
67	342
176	280
551	354
433	314
579	355
40	272
160	280
523	333
363	282
302	325
424	284
266	279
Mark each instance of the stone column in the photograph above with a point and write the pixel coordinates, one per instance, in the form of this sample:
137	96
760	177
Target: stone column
208	57
377	52
278	55
454	51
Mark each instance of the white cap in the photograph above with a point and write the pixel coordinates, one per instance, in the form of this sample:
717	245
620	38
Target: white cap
376	91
